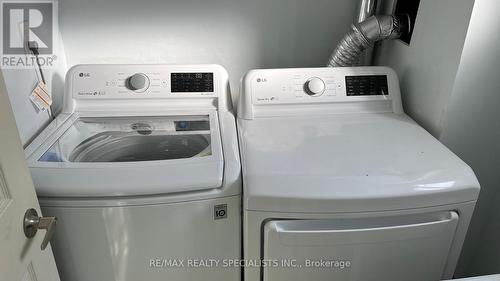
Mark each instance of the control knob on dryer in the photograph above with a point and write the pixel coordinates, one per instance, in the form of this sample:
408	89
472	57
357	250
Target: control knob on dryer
314	86
138	82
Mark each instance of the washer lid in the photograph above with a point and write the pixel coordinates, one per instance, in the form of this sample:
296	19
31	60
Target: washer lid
133	155
348	163
131	139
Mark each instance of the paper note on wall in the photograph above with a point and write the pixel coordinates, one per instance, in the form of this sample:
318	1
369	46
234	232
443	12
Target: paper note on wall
41	97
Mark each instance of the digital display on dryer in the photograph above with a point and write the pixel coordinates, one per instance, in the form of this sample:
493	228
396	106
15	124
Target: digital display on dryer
366	85
189	82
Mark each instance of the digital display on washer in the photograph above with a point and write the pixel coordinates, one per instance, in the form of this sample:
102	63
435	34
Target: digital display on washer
366	85
189	82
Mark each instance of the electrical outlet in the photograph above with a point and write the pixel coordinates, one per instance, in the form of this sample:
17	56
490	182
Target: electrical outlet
409	7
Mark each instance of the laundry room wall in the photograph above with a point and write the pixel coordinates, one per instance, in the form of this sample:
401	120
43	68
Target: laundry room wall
29	119
449	80
238	34
471	128
428	66
21	82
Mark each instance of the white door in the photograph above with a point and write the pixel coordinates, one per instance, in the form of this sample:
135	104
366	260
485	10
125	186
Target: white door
21	258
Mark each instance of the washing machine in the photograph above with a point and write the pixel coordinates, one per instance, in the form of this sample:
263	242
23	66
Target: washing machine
142	171
340	184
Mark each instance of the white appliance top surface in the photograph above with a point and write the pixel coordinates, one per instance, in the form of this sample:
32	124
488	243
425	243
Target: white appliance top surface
351	162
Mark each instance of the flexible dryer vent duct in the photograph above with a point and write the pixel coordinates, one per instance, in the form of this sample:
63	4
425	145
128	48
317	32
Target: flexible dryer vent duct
364	34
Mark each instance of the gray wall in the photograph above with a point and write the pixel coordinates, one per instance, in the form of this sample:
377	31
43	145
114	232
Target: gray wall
471	128
427	68
21	82
452	87
238	34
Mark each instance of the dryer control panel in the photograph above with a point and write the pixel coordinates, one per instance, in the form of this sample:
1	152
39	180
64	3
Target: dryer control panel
279	91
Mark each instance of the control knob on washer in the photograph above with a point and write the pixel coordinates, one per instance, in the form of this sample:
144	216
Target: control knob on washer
314	86
138	82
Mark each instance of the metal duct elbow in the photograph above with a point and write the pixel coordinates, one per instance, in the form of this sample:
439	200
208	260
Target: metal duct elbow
364	34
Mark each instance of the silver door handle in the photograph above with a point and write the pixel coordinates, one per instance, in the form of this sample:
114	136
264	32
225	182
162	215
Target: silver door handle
32	223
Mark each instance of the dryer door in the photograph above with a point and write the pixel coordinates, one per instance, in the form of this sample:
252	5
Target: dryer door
385	249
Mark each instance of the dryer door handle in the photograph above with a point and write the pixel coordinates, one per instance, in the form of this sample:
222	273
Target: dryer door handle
329	232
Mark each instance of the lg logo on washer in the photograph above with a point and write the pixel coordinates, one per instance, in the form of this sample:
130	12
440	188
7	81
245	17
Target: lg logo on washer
28	28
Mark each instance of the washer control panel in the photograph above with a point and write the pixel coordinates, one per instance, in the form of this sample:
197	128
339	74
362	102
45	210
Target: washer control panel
199	82
139	82
144	81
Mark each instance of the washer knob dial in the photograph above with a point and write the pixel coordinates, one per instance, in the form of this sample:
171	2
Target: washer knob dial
315	86
138	82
